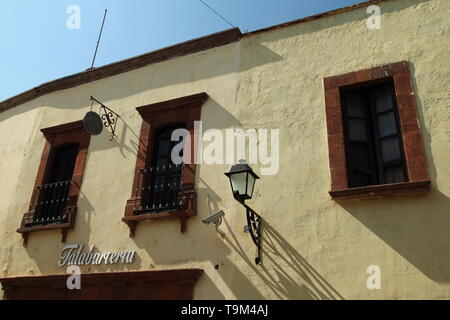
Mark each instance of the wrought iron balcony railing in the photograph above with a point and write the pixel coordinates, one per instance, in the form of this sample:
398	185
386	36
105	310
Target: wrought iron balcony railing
49	203
160	186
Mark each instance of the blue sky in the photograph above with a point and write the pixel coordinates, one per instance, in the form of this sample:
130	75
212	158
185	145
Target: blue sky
36	45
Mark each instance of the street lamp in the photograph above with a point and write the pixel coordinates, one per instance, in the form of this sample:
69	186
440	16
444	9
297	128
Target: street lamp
242	181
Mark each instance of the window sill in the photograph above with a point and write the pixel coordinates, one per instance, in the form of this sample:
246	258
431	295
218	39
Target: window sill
131	221
64	227
69	223
393	189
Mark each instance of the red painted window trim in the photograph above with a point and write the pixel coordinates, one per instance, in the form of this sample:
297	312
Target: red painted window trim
185	110
56	136
416	163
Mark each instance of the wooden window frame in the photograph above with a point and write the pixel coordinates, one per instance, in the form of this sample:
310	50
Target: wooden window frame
55	137
155	116
413	147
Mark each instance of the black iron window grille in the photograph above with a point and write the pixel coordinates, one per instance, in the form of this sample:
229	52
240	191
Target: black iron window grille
161	181
49	200
50	203
160	193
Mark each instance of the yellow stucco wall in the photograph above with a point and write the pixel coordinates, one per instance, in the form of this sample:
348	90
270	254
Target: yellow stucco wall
314	248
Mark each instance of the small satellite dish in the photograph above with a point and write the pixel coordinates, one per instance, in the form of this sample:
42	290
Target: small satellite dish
93	123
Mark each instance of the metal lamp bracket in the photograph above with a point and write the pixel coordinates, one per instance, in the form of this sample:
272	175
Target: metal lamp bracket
108	116
254	225
254	222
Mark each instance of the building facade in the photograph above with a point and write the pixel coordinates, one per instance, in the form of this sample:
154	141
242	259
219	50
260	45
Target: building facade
357	207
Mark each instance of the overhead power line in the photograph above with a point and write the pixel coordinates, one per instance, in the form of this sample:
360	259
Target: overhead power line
218	14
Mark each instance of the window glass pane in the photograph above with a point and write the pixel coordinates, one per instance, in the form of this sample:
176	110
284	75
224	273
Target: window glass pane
355	106
239	182
250	184
357	130
64	163
359	180
387	124
391	149
383	100
394	174
163	147
360	156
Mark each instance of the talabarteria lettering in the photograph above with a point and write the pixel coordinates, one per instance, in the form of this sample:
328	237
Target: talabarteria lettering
73	254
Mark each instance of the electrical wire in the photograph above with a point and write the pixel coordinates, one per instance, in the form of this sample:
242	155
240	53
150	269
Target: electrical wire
218	14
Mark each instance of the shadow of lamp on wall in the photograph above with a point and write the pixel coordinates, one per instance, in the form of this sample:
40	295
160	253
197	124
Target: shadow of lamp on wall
242	180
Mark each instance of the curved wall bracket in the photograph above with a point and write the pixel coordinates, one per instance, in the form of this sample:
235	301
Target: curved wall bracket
254	222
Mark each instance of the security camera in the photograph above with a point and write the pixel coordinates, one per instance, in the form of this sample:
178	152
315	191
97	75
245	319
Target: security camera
215	218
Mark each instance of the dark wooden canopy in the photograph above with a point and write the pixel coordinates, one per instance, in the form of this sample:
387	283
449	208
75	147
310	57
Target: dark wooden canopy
136	285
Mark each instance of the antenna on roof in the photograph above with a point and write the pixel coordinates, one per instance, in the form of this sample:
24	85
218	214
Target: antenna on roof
98	41
218	14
